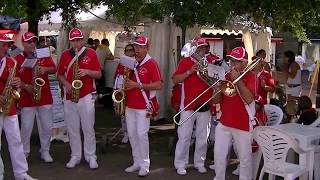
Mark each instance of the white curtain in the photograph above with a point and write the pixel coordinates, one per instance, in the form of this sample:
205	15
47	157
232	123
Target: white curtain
163	48
263	41
247	40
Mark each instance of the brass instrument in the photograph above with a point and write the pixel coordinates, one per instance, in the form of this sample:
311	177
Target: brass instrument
118	95
228	88
76	82
9	93
38	83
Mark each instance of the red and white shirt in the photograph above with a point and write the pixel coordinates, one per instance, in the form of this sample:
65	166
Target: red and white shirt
87	60
267	78
192	85
25	75
148	72
8	63
234	114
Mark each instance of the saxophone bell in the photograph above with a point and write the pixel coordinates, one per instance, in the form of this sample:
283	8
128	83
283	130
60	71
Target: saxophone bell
39	82
76	84
118	96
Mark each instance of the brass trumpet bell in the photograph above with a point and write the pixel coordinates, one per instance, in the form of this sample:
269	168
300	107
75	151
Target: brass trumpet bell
77	84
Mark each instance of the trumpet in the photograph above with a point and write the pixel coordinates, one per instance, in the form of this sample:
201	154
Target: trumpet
228	88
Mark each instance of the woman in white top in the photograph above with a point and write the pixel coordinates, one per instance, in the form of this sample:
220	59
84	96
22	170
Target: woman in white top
293	88
293	73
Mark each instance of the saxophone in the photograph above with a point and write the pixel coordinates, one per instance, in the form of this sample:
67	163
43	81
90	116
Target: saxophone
118	95
37	84
10	94
76	82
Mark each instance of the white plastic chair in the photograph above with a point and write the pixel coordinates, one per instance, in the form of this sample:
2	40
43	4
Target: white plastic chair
274	117
316	166
274	114
274	145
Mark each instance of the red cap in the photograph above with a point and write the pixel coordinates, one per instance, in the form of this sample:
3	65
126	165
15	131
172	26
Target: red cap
75	33
5	38
142	41
239	53
260	100
200	41
27	36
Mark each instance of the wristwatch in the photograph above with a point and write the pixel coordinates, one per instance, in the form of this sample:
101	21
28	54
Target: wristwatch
140	86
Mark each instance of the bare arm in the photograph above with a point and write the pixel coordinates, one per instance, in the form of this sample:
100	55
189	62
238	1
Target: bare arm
294	69
179	78
92	73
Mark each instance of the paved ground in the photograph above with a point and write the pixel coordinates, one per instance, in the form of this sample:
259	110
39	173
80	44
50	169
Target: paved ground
113	162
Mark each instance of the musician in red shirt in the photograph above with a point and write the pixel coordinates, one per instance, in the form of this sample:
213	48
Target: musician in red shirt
31	103
9	122
192	86
236	121
141	87
79	108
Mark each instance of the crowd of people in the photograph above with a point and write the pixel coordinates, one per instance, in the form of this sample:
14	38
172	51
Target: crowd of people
80	68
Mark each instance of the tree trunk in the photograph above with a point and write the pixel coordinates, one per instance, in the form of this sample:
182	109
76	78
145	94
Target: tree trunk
33	26
183	34
33	12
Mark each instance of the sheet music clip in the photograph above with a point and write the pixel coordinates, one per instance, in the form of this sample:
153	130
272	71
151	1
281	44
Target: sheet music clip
216	72
43	52
127	62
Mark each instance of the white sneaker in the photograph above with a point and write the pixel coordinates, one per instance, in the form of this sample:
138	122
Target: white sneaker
181	171
24	177
236	171
132	169
201	169
143	172
125	139
46	157
93	163
211	167
72	163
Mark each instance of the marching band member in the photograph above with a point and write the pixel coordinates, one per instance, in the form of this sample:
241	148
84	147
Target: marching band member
236	118
9	122
265	82
192	86
140	89
128	51
35	101
79	63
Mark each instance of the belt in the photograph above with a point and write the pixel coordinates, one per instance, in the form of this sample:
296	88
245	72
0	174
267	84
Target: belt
293	85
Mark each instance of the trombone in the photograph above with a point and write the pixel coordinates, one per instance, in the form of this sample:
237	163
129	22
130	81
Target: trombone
227	89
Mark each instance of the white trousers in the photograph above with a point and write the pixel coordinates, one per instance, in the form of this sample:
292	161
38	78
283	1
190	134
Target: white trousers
124	125
138	126
202	131
43	114
10	125
223	140
81	114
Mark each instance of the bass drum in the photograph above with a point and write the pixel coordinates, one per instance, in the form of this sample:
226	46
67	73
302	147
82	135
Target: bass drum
291	107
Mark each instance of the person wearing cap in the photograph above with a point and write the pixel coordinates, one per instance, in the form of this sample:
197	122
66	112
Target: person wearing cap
9	123
192	86
265	82
118	83
30	109
237	118
138	123
81	114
